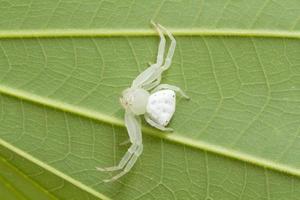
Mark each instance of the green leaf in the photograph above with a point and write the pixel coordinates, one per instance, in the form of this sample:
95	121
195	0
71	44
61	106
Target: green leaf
29	181
63	65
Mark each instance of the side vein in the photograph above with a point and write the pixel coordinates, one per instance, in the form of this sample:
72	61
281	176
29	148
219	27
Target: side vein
52	169
18	171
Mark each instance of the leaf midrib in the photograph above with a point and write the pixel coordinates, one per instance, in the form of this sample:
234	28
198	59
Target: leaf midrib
173	137
54	33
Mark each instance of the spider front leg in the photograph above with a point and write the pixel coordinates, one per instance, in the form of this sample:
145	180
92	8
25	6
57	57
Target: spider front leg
123	161
150	74
155	77
171	87
134	131
171	51
129	165
153	84
150	78
161	46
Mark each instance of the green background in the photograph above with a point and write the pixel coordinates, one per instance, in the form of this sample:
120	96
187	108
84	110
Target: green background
63	65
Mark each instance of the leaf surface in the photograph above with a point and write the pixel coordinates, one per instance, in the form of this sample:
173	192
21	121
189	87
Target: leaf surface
21	179
237	60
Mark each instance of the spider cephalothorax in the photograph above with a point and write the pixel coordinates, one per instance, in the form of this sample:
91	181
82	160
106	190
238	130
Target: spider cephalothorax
135	100
147	97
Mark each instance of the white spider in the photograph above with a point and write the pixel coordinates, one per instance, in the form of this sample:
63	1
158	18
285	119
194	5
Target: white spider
157	107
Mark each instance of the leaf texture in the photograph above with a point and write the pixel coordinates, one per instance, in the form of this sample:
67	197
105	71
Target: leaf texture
59	106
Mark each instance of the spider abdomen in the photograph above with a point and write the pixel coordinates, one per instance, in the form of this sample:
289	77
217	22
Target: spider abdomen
161	106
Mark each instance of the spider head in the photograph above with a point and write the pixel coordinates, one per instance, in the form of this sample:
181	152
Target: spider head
135	100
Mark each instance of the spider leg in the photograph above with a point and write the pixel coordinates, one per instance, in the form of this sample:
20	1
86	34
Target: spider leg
171	51
171	87
151	73
129	165
156	125
153	84
154	79
161	46
123	161
134	131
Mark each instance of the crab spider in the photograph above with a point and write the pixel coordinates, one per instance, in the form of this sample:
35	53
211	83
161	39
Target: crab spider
157	106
